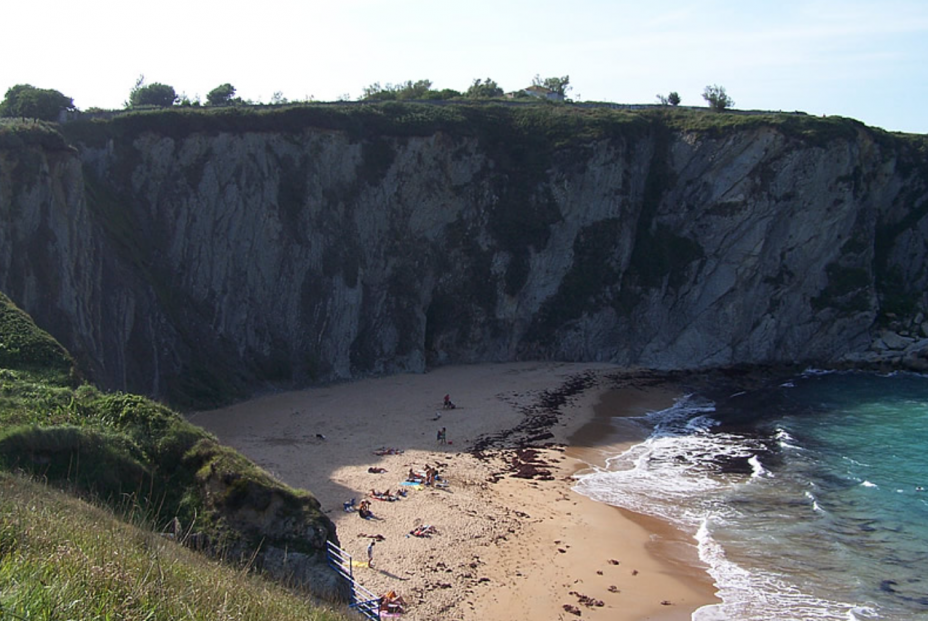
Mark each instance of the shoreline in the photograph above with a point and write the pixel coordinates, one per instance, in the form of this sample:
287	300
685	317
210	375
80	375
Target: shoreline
505	547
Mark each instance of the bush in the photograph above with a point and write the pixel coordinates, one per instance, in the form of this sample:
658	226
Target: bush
155	94
717	98
28	102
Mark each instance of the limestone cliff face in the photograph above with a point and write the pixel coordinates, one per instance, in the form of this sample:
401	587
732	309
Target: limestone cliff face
197	266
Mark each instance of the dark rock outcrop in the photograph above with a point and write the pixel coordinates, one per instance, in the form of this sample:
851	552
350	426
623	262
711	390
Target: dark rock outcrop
197	266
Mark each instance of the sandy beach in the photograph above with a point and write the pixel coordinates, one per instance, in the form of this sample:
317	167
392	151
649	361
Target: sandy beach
504	546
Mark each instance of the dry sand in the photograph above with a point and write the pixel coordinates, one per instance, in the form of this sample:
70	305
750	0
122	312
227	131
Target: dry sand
505	548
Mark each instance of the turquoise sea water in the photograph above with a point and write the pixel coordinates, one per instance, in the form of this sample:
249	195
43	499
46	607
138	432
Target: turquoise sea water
805	499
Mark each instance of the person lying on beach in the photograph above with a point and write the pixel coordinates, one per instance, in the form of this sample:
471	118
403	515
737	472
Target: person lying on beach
376	470
374	537
387	451
423	531
387	496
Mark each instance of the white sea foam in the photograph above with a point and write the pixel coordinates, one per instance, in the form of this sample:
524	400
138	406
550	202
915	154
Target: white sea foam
868	484
862	613
756	595
757	469
853	461
812	372
786	441
664	474
675	475
815	506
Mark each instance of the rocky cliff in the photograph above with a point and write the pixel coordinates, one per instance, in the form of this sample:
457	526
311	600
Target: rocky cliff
197	257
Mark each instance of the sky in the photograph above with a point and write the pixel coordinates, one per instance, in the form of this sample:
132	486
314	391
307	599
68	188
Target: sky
864	59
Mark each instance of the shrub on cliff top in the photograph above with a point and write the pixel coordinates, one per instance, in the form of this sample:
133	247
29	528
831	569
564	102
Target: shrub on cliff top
28	102
717	98
154	94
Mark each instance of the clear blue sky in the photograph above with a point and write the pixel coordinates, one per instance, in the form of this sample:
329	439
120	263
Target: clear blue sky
866	59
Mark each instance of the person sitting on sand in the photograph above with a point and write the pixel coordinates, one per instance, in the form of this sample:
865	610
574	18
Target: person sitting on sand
448	405
364	510
391	603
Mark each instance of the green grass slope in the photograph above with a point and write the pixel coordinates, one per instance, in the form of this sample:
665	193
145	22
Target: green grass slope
120	451
62	558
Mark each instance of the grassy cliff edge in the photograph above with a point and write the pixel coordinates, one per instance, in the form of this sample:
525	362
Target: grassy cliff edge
124	456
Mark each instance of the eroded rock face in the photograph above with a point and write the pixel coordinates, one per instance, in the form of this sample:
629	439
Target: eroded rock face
201	267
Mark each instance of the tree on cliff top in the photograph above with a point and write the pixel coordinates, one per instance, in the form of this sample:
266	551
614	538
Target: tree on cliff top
717	98
222	95
673	99
154	94
484	89
420	89
560	86
28	102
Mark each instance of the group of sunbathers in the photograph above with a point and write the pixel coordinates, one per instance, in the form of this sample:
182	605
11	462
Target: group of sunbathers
429	477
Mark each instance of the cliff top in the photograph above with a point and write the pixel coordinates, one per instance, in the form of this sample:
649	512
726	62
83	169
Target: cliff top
559	123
